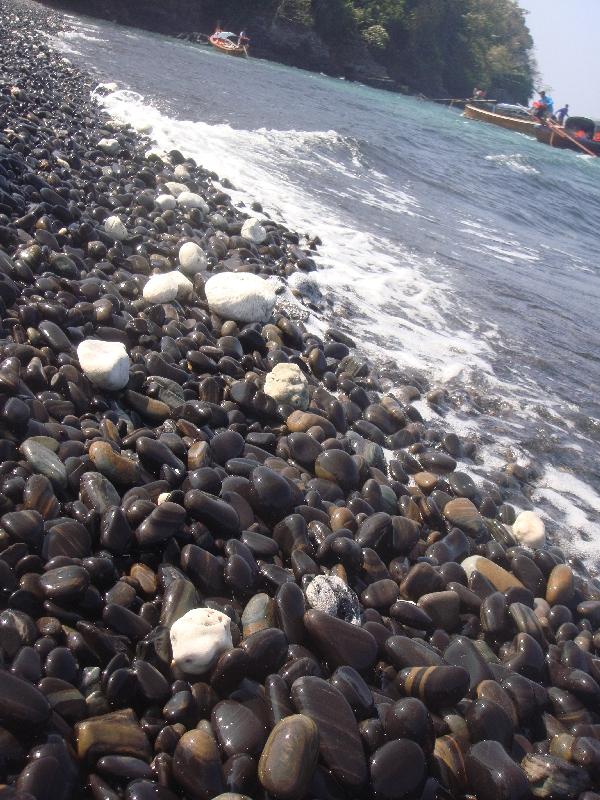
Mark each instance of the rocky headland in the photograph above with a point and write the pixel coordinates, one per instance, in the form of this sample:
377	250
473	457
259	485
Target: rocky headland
231	563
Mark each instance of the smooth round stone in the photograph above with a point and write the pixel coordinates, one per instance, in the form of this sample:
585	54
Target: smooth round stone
45	462
166	202
215	513
192	258
270	492
148	790
397	770
487	720
529	530
237	728
380	594
462	485
258	614
109	146
462	513
339	467
190	200
64	583
198	638
167	286
253	231
493	775
21	703
41	779
437	462
289	757
266	651
500	578
116	733
164	521
197	764
340	746
340	642
287	385
118	469
114	228
443	608
410	719
97	492
560	589
437	687
409	614
240	296
106	364
553	777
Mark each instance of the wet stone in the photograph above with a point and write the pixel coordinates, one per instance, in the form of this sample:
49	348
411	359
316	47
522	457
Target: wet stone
197	765
237	728
21	703
552	777
340	642
117	733
493	775
397	769
289	757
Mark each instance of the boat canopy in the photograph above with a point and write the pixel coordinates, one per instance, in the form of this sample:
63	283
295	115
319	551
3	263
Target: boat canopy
581	123
224	35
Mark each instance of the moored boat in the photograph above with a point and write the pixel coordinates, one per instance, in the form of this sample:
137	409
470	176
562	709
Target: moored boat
227	42
514	118
578	134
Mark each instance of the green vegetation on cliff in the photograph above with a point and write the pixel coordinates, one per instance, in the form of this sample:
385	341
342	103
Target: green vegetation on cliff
438	47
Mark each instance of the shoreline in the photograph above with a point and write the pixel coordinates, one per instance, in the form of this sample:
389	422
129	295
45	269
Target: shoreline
233	468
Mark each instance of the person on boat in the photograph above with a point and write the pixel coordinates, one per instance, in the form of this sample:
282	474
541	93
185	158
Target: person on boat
547	103
243	40
562	114
596	137
478	94
581	134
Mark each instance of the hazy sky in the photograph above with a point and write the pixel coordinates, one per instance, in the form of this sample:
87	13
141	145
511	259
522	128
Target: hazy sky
567	49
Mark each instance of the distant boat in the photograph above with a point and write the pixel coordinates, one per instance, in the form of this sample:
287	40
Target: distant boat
227	42
566	138
512	117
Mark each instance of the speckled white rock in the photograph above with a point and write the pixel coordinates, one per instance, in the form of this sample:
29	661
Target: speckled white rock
166	287
175	188
286	383
106	364
241	296
166	202
253	231
192	200
330	594
181	171
303	285
192	258
529	530
109	146
114	228
198	639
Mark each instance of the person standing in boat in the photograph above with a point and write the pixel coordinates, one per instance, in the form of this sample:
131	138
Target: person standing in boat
562	114
243	40
545	106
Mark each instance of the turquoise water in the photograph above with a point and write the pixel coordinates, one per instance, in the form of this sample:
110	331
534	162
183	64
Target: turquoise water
459	254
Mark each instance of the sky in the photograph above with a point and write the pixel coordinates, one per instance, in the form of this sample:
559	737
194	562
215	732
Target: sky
567	49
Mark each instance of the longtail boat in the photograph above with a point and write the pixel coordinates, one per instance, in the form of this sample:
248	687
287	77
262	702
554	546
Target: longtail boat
578	134
227	42
505	116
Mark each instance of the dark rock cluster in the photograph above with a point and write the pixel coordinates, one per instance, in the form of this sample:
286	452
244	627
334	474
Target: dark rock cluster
411	672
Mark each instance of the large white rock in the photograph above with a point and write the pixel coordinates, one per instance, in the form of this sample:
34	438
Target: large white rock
114	228
241	296
181	171
192	258
166	202
254	231
529	529
167	286
192	200
106	364
198	639
176	188
109	146
286	383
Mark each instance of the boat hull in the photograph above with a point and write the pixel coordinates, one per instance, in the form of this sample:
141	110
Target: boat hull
554	139
510	123
227	47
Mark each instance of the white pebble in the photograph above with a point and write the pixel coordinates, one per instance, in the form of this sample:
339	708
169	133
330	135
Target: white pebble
181	171
109	146
241	296
286	383
329	593
192	200
106	364
167	286
198	639
176	188
166	202
529	529
254	231
192	258
114	228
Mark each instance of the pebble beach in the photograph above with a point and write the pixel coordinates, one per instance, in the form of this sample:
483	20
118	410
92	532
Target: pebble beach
233	562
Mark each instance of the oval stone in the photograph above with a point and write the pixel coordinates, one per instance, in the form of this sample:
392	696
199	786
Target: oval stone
289	757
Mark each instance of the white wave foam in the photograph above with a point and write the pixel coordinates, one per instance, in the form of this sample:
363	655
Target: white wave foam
515	162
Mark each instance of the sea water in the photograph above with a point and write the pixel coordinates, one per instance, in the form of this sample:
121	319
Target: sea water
453	251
